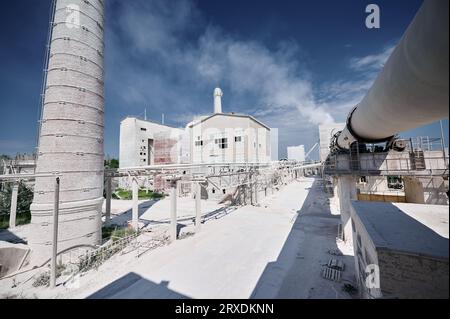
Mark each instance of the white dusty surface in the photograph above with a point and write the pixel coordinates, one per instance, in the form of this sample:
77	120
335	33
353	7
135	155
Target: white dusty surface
272	251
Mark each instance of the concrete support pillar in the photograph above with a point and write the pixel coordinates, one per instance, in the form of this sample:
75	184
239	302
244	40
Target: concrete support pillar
135	211
173	211
256	191
13	210
198	208
336	190
414	191
108	201
347	193
251	189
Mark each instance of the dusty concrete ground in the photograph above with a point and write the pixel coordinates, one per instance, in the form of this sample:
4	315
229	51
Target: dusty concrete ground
272	251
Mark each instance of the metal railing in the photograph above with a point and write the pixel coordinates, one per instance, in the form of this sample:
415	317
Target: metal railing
428	163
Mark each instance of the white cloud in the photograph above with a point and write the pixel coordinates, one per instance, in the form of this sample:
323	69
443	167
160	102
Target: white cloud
162	55
372	61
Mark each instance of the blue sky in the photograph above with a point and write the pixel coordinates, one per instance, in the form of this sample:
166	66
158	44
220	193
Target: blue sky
292	64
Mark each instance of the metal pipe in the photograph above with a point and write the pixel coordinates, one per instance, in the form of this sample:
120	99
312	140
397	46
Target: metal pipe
55	234
108	200
412	89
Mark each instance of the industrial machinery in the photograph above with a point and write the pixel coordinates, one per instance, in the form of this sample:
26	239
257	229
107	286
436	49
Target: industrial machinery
412	89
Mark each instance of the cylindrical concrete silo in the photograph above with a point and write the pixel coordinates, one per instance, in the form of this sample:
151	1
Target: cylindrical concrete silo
71	134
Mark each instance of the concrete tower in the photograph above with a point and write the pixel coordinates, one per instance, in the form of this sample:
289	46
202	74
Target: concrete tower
71	134
218	100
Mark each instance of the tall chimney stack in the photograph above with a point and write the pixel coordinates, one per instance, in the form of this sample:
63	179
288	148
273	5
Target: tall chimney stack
218	100
71	134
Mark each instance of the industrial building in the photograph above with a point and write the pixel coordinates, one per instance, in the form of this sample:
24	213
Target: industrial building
222	138
296	153
326	133
144	143
216	138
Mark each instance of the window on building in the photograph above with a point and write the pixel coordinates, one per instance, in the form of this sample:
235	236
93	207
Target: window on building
198	143
222	143
238	139
143	129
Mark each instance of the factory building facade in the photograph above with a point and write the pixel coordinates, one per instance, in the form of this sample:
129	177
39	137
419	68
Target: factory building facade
216	138
296	153
144	143
235	138
326	132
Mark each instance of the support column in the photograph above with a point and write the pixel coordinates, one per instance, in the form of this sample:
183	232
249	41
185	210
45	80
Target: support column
198	208
108	201
53	273
13	210
336	190
250	189
256	190
135	212
414	191
173	211
347	193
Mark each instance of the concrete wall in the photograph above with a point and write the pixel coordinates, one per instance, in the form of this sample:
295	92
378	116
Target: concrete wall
134	141
347	193
12	258
426	190
401	274
254	146
325	133
414	190
410	276
365	254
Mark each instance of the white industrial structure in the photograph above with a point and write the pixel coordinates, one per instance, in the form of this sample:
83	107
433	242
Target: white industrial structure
326	133
228	137
412	88
71	132
218	100
217	138
138	139
410	91
222	138
296	153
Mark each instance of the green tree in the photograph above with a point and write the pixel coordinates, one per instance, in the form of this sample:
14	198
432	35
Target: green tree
112	163
24	200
